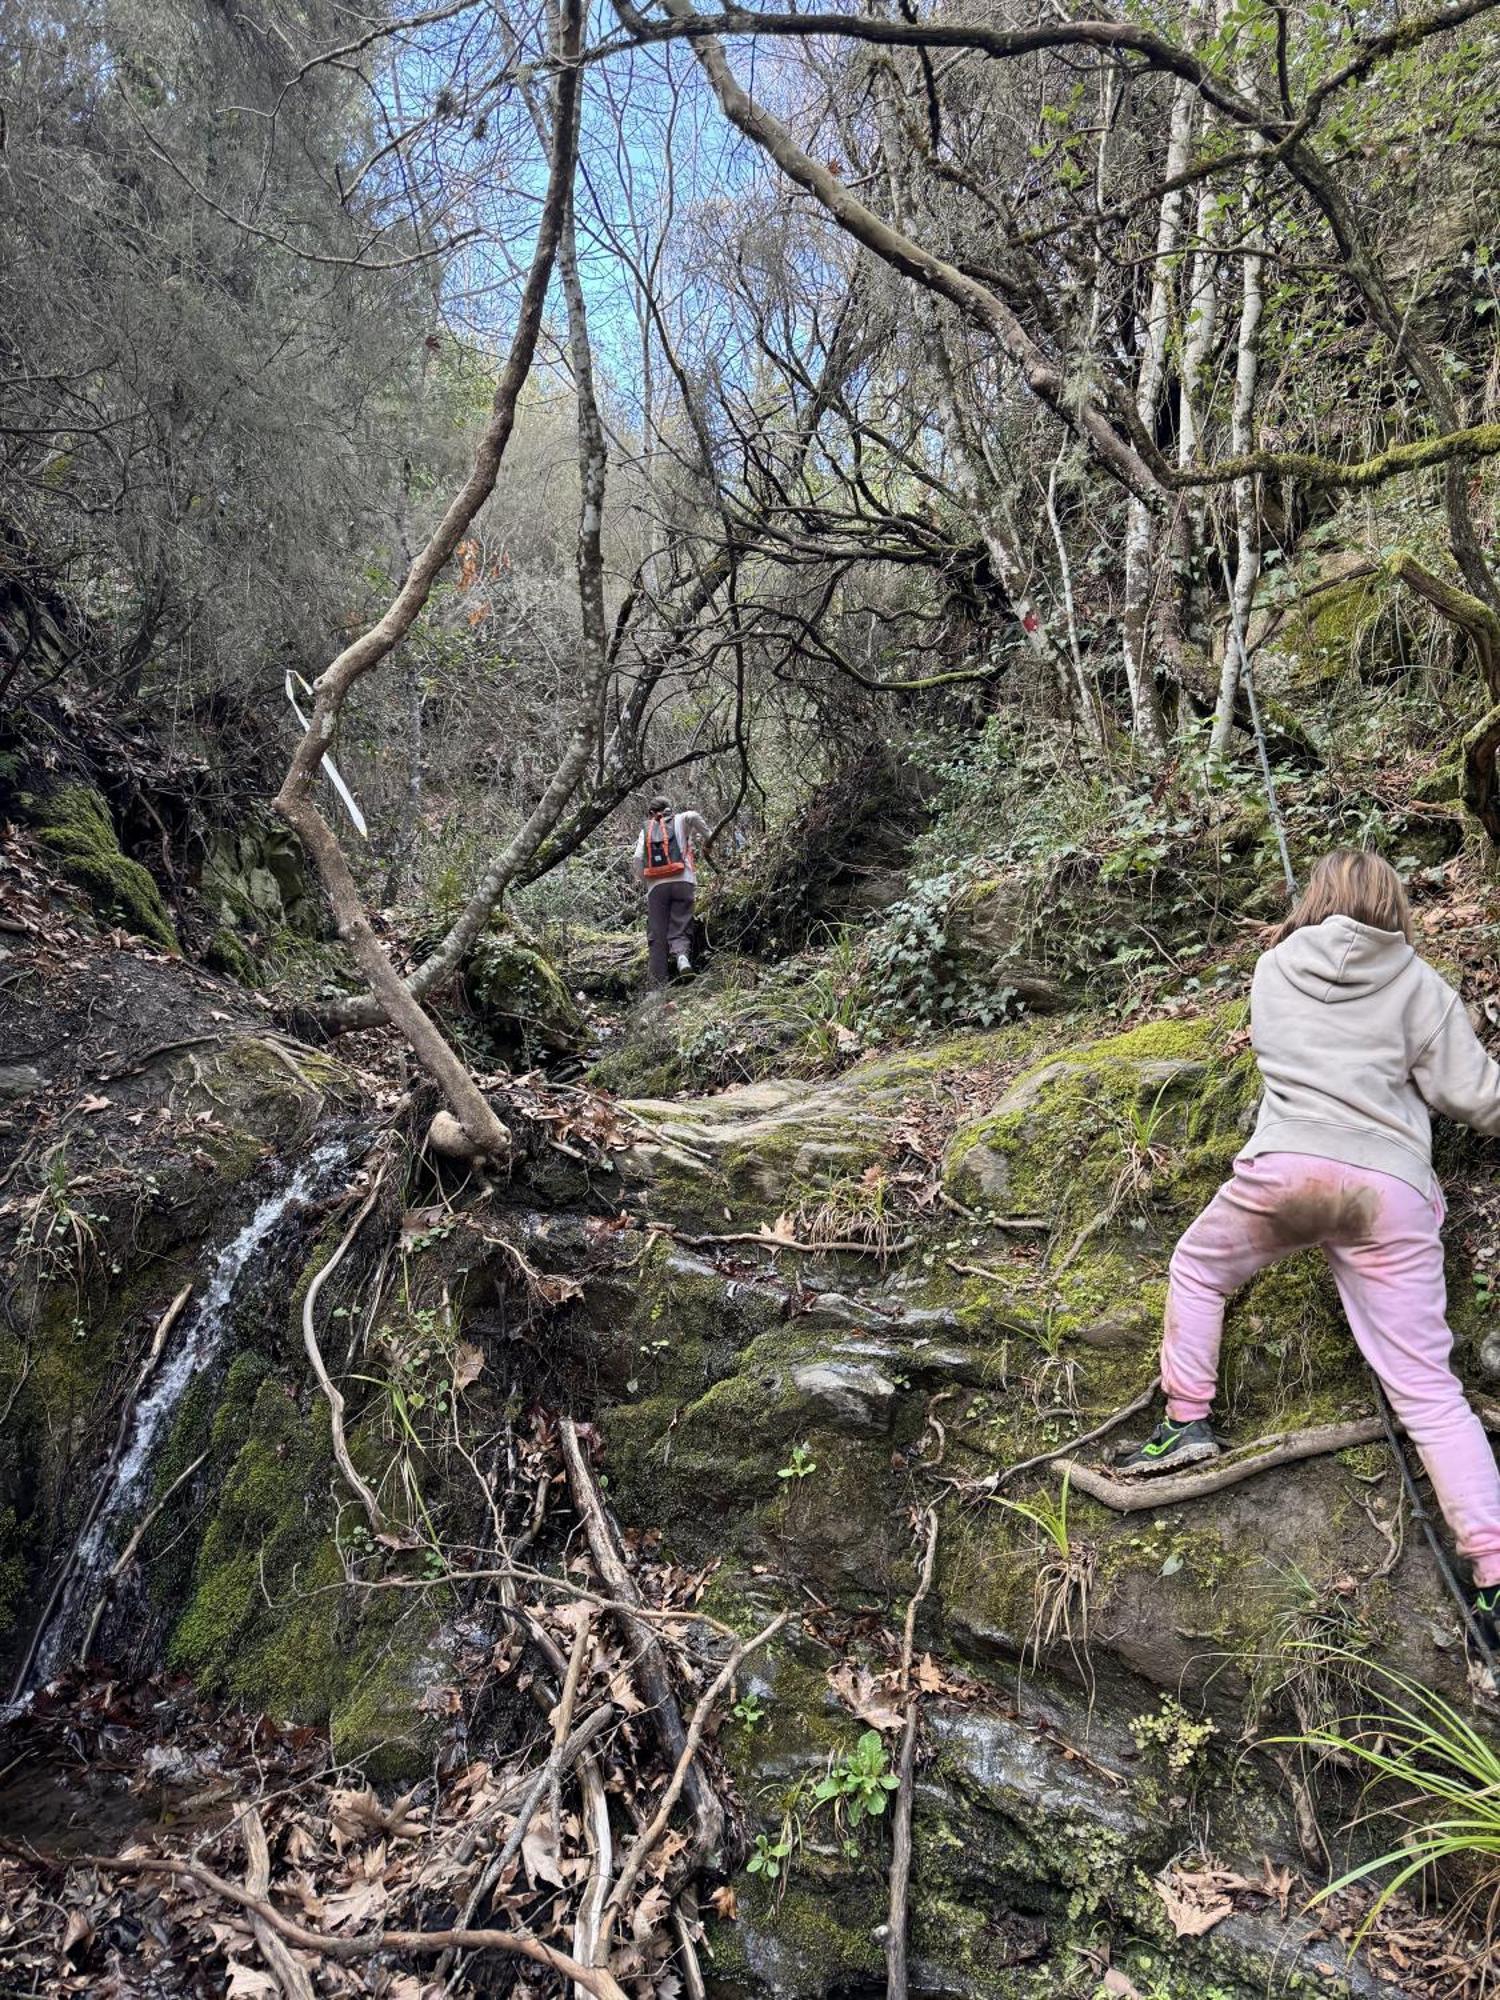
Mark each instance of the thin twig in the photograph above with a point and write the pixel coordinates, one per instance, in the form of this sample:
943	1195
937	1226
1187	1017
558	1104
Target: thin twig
515	1944
126	1556
651	1833
895	1938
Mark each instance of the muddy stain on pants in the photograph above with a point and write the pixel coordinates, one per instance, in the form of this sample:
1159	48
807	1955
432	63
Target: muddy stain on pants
669	925
1382	1239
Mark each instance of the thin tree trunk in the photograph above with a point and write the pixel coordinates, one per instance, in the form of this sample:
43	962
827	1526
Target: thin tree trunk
975	483
1140	538
295	801
1242	440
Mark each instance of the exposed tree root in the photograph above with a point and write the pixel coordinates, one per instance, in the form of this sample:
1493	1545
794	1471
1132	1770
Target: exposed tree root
765	1239
1139	1496
1111	1423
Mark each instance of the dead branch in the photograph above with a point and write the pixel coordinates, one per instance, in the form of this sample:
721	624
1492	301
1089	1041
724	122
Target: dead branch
1139	1496
126	1556
895	1939
514	1944
562	1758
295	801
651	1833
284	1969
764	1240
651	1670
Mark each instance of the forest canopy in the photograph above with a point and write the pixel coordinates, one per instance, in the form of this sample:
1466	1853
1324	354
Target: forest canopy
583	398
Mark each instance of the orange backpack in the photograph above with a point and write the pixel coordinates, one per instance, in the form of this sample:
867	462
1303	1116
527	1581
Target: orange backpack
663	855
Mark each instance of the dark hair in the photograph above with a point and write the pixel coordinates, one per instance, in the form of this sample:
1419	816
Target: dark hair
659	805
1350	883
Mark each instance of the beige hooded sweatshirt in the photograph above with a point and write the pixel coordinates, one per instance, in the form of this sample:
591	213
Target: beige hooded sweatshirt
1356	1038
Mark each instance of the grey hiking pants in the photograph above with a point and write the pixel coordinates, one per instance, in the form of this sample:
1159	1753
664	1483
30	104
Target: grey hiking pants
669	925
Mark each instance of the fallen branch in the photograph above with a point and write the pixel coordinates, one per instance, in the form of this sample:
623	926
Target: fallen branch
651	1670
284	1969
895	1938
333	1394
652	1832
514	1944
1139	1496
563	1756
126	1556
764	1240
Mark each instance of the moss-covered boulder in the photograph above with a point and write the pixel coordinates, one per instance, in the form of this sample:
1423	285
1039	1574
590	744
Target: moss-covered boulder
518	998
254	879
75	827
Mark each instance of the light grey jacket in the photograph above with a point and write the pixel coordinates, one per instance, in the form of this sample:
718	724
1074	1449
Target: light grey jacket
689	826
1356	1037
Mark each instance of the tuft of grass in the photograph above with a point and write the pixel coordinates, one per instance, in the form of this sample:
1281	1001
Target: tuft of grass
1428	1771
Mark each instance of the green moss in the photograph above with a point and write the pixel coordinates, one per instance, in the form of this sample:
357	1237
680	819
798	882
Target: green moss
75	826
271	1619
518	995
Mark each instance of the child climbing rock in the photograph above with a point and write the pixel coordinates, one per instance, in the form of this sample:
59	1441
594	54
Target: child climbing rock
1356	1039
665	861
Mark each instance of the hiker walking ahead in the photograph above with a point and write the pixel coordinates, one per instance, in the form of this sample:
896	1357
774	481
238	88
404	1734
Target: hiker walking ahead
665	862
1355	1038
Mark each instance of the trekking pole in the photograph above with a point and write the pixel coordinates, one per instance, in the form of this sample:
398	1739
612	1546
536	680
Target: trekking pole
1419	1510
1424	1520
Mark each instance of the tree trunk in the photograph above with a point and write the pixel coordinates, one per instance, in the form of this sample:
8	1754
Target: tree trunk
1140	537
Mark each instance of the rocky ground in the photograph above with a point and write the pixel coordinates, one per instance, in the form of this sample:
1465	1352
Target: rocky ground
817	1297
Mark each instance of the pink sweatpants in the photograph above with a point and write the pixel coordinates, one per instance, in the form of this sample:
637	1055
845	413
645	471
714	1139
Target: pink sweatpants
1381	1239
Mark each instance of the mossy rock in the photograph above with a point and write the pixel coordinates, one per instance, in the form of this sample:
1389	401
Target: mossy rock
270	1619
518	996
75	827
255	878
1352	626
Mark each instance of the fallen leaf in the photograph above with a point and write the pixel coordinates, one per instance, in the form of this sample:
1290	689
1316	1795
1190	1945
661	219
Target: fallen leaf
468	1361
856	1689
100	1104
724	1903
650	1914
1195	1903
248	1982
79	1931
1120	1984
539	1853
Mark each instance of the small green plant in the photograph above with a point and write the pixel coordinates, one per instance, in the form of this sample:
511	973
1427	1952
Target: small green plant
769	1856
802	1464
1182	1741
859	1781
749	1710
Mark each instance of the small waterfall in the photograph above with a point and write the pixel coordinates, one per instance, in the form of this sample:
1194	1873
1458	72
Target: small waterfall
63	1621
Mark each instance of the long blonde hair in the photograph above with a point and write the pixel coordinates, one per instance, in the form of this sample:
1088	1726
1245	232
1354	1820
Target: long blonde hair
1350	883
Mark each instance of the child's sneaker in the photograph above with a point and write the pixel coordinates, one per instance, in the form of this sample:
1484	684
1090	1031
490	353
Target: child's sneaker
1170	1447
1484	1608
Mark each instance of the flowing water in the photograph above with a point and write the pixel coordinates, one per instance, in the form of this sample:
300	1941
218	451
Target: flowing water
64	1621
